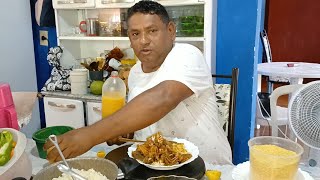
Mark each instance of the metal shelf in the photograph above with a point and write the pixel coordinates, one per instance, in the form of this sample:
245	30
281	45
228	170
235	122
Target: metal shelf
88	38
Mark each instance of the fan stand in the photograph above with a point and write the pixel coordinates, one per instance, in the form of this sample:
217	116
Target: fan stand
311	165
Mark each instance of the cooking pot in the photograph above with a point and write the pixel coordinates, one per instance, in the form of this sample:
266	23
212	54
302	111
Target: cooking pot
104	166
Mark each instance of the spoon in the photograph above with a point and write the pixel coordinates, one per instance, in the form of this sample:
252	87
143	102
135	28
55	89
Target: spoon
122	139
70	172
53	139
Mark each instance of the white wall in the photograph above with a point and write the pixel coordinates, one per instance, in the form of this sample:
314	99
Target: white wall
17	63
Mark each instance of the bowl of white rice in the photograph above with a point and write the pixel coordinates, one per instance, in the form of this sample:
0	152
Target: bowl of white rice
89	167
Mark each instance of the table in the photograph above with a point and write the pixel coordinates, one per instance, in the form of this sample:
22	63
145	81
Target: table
38	163
295	74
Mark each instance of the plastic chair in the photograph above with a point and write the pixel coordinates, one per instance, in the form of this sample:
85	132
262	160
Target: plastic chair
287	89
226	100
272	79
263	112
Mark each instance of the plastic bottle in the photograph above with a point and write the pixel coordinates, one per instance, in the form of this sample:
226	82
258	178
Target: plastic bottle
124	70
113	94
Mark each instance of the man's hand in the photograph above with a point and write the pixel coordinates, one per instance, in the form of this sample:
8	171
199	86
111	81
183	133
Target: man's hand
72	144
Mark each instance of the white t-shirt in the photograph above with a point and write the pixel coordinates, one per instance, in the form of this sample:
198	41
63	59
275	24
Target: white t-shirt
195	118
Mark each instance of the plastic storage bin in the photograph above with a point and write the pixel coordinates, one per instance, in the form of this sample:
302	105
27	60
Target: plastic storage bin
269	163
79	81
42	135
20	164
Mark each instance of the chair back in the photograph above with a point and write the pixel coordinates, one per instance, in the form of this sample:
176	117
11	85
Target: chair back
263	105
226	100
266	45
286	89
267	49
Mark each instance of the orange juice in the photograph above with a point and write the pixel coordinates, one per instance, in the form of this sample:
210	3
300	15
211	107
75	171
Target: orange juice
111	104
113	94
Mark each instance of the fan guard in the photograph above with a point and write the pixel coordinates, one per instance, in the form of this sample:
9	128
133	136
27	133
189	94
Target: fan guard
304	114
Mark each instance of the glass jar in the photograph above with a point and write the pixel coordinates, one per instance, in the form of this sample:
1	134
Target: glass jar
124	70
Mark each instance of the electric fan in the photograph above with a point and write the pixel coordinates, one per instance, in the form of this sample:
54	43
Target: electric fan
304	120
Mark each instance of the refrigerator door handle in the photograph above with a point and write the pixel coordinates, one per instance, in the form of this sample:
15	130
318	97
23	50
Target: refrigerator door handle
68	106
116	1
72	2
97	110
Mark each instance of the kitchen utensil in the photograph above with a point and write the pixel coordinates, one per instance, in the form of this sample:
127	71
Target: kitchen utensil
92	26
70	172
135	171
86	66
94	65
104	166
96	75
122	139
53	139
129	140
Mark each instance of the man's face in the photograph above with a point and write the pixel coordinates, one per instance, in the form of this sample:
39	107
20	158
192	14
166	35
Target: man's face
150	38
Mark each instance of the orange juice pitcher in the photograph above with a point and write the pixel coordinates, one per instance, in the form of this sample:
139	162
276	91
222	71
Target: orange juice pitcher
113	94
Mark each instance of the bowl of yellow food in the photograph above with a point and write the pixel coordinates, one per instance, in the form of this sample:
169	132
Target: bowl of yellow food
274	158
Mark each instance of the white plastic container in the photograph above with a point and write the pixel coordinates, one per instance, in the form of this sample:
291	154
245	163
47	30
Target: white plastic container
79	81
20	164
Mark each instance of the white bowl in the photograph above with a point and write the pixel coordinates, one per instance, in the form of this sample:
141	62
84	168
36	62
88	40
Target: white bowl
20	164
189	146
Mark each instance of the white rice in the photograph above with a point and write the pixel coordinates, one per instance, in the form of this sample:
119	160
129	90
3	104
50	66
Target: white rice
90	174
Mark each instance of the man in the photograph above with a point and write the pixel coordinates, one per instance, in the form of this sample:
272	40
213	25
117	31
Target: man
170	91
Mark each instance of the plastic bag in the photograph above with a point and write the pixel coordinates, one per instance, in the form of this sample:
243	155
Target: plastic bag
59	79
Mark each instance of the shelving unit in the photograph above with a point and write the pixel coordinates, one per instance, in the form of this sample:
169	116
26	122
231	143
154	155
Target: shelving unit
86	38
76	46
69	14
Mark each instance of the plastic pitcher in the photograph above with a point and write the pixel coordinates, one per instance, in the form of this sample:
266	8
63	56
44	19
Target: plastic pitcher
8	114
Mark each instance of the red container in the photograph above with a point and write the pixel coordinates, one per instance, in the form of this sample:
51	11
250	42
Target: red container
8	114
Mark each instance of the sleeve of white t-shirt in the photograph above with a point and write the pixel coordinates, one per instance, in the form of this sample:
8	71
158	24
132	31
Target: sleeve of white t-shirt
185	63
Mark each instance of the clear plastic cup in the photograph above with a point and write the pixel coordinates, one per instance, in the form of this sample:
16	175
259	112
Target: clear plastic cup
272	164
